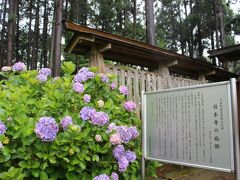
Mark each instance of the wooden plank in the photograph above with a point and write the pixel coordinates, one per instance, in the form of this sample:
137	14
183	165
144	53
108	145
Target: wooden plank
122	77
154	82
115	71
143	79
129	85
148	82
160	83
136	88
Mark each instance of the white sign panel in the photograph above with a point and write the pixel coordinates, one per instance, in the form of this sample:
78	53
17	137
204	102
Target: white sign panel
190	126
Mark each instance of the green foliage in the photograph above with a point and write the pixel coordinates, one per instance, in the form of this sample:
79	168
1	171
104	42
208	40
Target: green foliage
74	154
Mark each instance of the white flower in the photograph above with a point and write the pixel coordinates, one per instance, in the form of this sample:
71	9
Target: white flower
100	103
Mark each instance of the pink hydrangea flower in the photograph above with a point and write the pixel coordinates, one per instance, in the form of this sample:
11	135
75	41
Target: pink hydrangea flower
115	139
123	90
19	66
130	106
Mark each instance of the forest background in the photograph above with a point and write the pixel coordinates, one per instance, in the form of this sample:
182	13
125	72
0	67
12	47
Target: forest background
31	30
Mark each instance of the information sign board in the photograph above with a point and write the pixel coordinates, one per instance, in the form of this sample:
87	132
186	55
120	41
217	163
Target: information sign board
190	126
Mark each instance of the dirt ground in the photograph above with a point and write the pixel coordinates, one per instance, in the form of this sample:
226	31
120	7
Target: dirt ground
170	172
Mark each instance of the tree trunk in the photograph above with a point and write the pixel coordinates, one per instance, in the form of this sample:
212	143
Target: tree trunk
11	31
216	19
150	28
3	34
45	36
134	13
36	38
18	32
221	24
29	35
57	39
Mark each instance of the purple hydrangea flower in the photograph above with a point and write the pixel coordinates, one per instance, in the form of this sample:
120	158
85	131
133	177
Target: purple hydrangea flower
123	90
126	136
111	127
83	70
66	121
3	128
122	164
86	113
130	106
6	68
90	75
118	151
104	78
19	66
42	77
130	155
114	176
102	177
45	71
113	85
86	98
80	78
78	87
99	118
46	129
133	131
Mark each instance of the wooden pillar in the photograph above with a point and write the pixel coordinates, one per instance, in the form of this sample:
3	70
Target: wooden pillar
202	75
96	56
96	60
164	67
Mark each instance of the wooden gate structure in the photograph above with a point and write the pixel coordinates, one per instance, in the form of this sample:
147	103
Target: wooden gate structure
166	69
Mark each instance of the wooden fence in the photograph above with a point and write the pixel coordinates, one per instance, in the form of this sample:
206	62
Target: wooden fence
138	81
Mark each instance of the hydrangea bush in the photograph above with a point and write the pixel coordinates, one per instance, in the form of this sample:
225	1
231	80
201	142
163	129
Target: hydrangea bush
71	127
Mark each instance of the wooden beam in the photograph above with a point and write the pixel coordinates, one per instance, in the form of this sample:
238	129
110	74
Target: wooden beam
202	75
86	38
72	46
172	63
105	47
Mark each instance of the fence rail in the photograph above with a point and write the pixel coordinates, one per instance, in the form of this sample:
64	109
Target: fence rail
138	81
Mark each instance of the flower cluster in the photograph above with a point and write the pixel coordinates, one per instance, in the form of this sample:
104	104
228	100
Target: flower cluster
43	74
66	121
114	176
123	134
123	157
6	68
19	66
113	85
102	177
87	98
123	90
78	87
130	106
104	78
3	128
46	129
96	118
98	138
83	75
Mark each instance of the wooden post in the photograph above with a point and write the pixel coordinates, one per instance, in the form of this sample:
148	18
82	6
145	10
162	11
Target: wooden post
96	57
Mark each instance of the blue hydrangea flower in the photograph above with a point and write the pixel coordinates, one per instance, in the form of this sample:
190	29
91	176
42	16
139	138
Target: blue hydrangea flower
46	129
114	176
19	66
99	118
42	77
80	77
86	98
122	164
83	75
90	75
104	78
83	70
45	71
130	155
3	128
118	151
78	87
66	121
86	113
102	177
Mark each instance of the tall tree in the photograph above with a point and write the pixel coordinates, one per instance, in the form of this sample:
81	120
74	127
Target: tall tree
150	27
3	33
57	35
11	30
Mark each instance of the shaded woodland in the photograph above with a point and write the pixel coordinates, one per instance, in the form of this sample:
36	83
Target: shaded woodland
31	31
